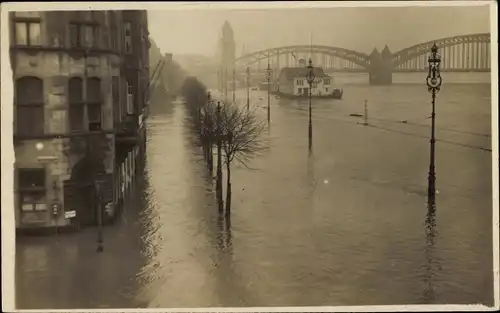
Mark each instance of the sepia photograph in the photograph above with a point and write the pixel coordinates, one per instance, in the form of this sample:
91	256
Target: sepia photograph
265	156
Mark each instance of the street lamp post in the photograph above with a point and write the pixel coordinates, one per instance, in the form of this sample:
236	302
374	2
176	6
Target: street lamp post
269	72
434	81
310	79
98	189
56	207
248	88
208	114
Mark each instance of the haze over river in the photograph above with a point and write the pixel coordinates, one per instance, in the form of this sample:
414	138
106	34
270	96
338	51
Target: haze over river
347	225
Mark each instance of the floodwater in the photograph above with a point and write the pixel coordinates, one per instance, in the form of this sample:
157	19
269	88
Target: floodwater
346	225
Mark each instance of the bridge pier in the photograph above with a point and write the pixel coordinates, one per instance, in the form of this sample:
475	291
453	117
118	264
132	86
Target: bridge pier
380	69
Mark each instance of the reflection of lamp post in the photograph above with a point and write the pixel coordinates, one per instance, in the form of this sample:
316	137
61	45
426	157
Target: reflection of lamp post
269	72
434	81
98	189
310	79
248	88
430	235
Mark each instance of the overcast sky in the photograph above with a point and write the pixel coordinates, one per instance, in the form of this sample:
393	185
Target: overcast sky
195	31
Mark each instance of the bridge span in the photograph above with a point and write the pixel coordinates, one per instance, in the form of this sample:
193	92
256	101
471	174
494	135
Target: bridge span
465	53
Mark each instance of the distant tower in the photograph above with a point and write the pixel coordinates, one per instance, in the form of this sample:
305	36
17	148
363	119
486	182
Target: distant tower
227	47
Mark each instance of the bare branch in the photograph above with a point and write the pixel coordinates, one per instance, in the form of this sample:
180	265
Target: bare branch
243	134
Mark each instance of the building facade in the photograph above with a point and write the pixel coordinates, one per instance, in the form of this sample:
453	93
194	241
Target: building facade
131	131
70	104
293	81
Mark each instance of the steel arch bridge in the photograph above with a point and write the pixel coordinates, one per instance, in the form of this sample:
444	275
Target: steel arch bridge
358	58
459	53
466	42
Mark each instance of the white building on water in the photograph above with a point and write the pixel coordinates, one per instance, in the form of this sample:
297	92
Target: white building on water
293	81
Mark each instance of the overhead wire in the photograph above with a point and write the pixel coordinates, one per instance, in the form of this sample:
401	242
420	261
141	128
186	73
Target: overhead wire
401	132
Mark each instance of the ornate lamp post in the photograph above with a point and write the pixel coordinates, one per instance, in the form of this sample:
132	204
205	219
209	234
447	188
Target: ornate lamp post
269	72
248	88
434	81
310	79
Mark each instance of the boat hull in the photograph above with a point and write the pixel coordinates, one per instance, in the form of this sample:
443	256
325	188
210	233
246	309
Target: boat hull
335	95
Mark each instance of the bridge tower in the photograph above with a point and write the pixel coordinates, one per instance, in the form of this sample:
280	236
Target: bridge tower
227	48
380	69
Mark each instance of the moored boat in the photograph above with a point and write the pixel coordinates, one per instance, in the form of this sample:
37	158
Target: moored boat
335	94
299	82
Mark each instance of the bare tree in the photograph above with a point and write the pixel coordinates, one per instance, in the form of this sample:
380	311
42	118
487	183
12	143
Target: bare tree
242	140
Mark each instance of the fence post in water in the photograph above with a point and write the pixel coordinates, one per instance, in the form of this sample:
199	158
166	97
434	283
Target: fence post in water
366	113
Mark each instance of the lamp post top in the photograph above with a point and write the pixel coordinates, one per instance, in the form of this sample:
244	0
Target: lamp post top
434	48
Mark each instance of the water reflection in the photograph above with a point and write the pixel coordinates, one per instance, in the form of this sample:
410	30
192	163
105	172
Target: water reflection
340	226
431	265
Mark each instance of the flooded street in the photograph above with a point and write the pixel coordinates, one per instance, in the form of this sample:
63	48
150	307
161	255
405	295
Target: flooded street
343	226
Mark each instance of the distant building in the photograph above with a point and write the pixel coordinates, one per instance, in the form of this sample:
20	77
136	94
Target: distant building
293	81
227	51
80	81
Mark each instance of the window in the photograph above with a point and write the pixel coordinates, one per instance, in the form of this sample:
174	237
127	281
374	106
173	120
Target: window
128	37
76	104
326	89
326	81
115	91
83	35
300	82
32	190
29	106
315	85
94	103
27	33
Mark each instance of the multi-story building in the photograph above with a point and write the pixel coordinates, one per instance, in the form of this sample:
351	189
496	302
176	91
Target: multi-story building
72	98
131	133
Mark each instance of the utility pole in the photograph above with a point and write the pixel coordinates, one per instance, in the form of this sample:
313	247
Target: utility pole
225	85
234	85
366	113
268	74
218	185
248	88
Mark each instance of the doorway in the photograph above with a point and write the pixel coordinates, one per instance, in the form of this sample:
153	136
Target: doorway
305	92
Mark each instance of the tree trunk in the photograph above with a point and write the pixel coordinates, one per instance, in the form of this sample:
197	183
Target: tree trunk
218	187
210	157
228	191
